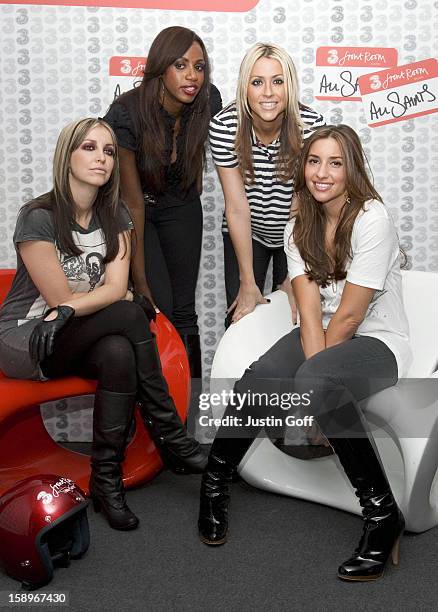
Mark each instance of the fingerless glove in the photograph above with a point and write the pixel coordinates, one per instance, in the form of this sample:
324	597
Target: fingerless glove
42	338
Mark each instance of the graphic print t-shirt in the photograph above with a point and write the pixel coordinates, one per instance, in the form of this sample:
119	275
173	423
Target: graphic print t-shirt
84	272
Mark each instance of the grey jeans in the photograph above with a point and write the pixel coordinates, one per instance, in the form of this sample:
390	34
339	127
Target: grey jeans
323	386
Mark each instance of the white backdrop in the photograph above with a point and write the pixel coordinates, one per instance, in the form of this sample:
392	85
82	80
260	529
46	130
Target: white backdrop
54	68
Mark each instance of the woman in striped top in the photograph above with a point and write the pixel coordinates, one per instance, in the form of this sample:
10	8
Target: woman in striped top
255	142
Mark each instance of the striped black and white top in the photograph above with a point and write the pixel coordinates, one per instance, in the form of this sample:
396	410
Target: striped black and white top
269	199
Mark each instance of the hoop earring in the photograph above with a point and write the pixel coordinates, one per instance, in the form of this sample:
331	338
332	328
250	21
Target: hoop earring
347	199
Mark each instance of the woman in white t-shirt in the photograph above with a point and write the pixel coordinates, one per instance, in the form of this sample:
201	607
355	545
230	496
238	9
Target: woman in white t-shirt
343	259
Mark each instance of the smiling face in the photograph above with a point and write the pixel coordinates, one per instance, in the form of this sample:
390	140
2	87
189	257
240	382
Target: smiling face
267	96
325	174
91	164
183	79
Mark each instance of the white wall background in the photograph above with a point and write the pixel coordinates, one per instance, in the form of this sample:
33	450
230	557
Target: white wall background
54	69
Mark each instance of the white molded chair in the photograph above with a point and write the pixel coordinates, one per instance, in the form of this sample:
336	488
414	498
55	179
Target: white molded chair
404	418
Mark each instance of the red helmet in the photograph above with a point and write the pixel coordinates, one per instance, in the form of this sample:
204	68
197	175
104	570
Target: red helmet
43	522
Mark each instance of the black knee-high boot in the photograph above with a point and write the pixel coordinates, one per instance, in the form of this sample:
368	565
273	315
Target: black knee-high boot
112	417
193	348
192	345
225	456
383	521
179	451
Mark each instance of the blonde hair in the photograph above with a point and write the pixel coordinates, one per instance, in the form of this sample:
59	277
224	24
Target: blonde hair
292	125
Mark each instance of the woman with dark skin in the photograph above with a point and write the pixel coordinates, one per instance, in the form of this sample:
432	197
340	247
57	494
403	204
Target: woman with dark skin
161	127
69	312
344	262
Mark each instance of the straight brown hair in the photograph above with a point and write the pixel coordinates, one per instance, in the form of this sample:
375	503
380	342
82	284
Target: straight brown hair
60	200
310	219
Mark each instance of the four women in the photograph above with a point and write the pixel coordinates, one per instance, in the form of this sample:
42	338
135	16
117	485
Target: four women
70	310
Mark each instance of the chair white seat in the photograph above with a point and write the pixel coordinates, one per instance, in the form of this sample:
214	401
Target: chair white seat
403	418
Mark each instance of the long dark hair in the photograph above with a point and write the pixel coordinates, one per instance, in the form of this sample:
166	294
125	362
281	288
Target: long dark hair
170	44
60	200
310	219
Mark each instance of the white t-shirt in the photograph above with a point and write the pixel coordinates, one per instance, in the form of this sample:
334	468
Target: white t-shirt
375	264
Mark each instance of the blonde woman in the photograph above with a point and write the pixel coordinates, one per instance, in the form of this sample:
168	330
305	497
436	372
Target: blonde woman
255	142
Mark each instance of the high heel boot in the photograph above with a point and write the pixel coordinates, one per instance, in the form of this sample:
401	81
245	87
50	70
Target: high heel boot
178	450
383	521
225	456
112	417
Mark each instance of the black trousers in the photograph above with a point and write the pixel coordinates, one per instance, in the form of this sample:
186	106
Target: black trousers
100	346
261	256
172	239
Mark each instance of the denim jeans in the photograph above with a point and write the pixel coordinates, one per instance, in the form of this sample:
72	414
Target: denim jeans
323	386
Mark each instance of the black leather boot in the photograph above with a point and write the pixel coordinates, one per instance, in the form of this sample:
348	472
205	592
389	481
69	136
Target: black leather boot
383	521
192	345
193	348
112	417
313	446
225	456
179	451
